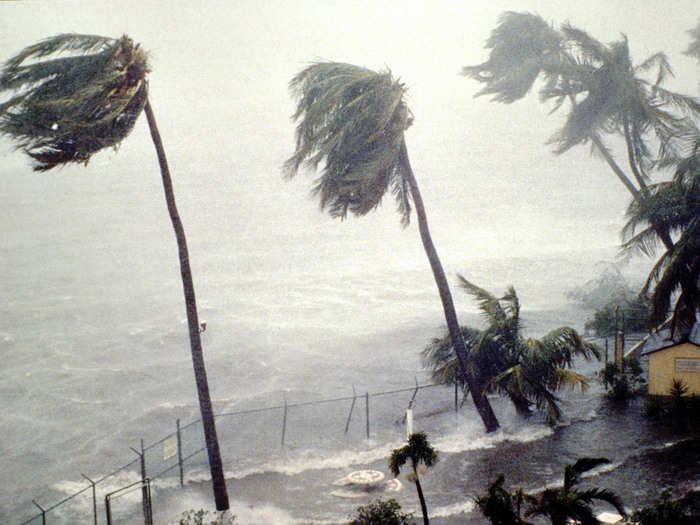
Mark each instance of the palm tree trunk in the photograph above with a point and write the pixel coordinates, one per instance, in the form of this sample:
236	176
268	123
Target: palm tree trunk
200	374
421	498
636	194
477	390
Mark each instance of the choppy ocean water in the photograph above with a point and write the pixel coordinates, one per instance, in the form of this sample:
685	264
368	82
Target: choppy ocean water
95	358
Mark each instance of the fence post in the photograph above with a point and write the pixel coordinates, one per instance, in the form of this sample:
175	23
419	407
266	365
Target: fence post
179	452
144	490
367	411
284	420
43	512
94	497
352	406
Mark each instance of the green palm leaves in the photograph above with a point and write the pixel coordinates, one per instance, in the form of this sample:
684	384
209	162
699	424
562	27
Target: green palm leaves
528	371
72	95
562	506
352	119
419	452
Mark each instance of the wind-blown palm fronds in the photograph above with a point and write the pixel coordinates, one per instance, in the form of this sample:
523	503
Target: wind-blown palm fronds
353	120
606	92
351	124
569	503
66	108
501	507
527	371
676	205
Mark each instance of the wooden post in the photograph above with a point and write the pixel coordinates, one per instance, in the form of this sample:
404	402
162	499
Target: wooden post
352	406
619	350
367	411
284	420
606	350
94	498
179	453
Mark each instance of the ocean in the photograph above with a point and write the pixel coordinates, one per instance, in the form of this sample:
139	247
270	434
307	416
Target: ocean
95	354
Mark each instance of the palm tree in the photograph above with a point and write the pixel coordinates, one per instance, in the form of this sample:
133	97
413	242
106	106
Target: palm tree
352	121
528	371
606	93
676	205
73	95
501	507
569	503
418	451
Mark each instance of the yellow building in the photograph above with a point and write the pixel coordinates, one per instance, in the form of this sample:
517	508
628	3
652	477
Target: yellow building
672	362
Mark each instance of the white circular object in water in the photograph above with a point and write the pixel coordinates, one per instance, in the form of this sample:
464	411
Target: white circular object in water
365	477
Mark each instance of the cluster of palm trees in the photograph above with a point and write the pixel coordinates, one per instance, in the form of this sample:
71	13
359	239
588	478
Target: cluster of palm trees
528	371
608	95
73	95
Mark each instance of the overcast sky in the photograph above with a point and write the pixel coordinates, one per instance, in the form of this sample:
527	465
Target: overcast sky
219	90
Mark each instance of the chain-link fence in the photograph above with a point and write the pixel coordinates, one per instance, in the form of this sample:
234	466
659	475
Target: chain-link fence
248	438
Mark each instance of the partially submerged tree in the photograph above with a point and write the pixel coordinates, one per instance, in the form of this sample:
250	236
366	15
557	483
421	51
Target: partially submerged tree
73	95
528	371
419	452
351	124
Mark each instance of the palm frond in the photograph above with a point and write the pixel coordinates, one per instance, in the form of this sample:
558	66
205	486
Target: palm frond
522	46
488	303
66	109
352	120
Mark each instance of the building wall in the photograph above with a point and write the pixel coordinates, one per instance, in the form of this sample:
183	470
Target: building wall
677	362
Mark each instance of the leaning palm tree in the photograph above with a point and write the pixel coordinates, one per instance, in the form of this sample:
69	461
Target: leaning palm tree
73	95
351	122
606	92
418	451
528	371
570	505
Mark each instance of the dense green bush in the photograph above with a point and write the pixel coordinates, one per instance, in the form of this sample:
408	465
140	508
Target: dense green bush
381	512
621	386
678	410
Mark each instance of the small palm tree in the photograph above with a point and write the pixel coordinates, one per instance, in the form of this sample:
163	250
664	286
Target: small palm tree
351	121
500	506
418	451
566	504
528	371
74	95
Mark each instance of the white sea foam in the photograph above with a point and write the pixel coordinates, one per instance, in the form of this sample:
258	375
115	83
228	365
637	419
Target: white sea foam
463	507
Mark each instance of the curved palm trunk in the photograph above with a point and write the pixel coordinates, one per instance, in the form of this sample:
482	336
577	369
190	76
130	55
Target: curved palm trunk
477	390
200	374
421	498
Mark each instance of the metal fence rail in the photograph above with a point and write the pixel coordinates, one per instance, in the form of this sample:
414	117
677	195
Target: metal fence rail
186	443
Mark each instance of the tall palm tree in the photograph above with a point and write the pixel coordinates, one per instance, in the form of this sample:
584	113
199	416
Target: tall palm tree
418	451
606	92
528	371
351	120
73	95
676	205
561	505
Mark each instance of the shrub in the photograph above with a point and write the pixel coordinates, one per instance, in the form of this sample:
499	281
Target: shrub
666	512
381	512
621	386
